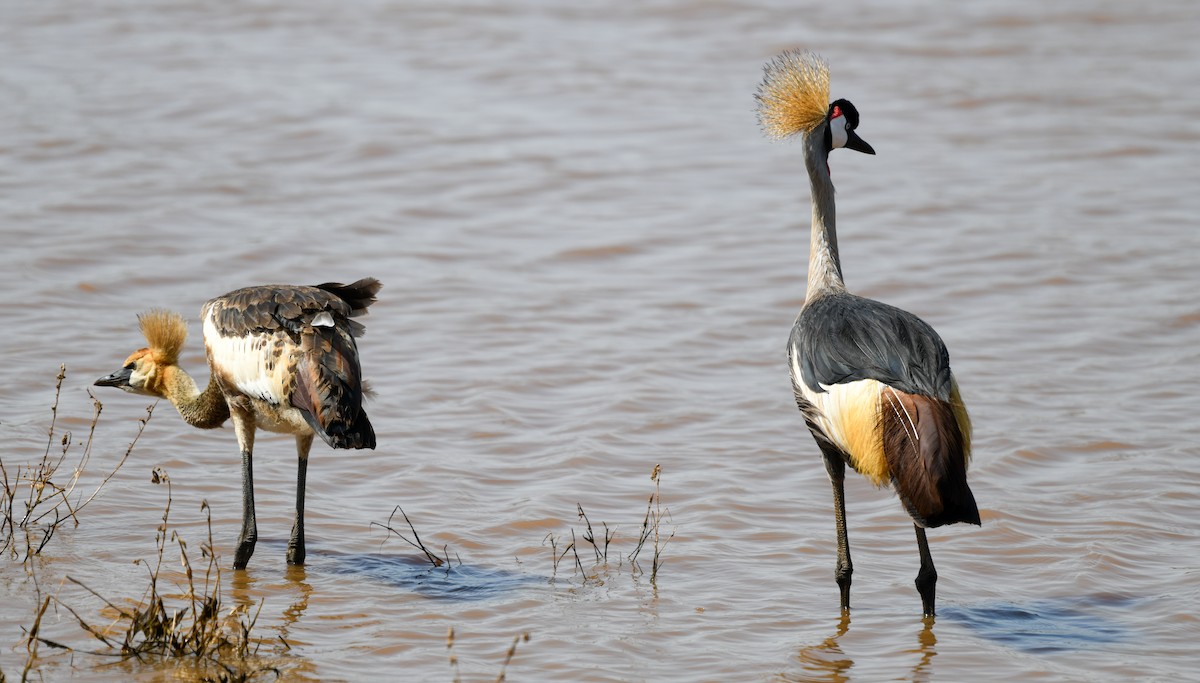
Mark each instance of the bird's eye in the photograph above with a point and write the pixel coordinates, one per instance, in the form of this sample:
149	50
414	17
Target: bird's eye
130	366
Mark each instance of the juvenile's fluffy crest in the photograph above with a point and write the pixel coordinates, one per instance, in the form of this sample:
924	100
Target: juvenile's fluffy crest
165	331
794	94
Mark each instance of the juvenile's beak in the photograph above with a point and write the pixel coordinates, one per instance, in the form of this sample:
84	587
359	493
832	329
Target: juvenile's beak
857	144
119	379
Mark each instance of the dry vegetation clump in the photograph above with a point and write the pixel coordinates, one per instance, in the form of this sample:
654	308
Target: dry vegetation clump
50	494
652	530
187	627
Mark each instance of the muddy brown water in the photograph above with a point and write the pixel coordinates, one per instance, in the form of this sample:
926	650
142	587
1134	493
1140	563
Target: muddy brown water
591	260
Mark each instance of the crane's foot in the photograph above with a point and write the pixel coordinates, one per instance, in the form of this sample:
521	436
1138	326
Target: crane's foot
295	551
843	575
295	554
244	550
927	587
927	575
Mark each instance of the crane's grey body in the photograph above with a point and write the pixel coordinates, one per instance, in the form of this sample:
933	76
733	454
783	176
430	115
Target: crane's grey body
872	382
839	338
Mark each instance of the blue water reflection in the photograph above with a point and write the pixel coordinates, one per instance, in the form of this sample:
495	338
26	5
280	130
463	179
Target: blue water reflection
1044	626
459	582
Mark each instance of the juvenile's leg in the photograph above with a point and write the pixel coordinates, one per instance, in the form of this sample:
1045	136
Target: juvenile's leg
244	427
295	554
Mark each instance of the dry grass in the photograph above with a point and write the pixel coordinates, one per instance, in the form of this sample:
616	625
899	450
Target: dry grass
652	528
187	628
31	639
590	536
48	492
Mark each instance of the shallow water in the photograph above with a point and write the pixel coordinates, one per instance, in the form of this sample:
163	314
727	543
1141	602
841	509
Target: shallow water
592	260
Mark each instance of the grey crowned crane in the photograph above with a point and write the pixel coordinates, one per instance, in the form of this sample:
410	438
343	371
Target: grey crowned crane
873	382
281	358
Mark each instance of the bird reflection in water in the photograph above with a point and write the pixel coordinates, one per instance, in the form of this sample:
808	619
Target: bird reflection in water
244	587
827	661
296	576
274	635
926	641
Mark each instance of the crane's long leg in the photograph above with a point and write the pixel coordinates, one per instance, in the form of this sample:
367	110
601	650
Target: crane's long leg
244	427
249	535
927	575
295	554
836	467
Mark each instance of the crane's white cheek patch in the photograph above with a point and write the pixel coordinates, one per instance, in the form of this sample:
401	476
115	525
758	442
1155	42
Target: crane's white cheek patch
838	129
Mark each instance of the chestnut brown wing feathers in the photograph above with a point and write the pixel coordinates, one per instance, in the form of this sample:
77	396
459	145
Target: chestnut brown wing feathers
924	450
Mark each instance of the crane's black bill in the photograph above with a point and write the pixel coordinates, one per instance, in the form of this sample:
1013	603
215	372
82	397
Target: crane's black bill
857	144
120	378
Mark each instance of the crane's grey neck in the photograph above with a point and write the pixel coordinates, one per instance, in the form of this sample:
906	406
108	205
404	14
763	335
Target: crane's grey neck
824	266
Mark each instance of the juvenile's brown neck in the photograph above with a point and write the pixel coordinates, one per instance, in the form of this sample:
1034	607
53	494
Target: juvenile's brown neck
206	409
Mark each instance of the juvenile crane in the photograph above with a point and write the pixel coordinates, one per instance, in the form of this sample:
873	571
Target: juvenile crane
873	382
280	357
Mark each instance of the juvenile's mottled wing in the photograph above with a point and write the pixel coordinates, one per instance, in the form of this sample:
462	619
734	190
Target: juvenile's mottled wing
295	345
329	387
270	308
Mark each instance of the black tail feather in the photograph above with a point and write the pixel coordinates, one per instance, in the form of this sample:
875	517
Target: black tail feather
360	295
358	434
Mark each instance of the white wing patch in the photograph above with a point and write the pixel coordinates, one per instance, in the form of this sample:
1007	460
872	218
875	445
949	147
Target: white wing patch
244	362
839	405
848	414
322	319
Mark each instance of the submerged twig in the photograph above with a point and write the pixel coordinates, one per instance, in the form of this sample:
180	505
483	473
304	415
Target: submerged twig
508	657
578	562
453	657
416	543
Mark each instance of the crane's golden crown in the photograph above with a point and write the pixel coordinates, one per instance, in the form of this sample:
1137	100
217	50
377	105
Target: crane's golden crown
165	331
794	94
